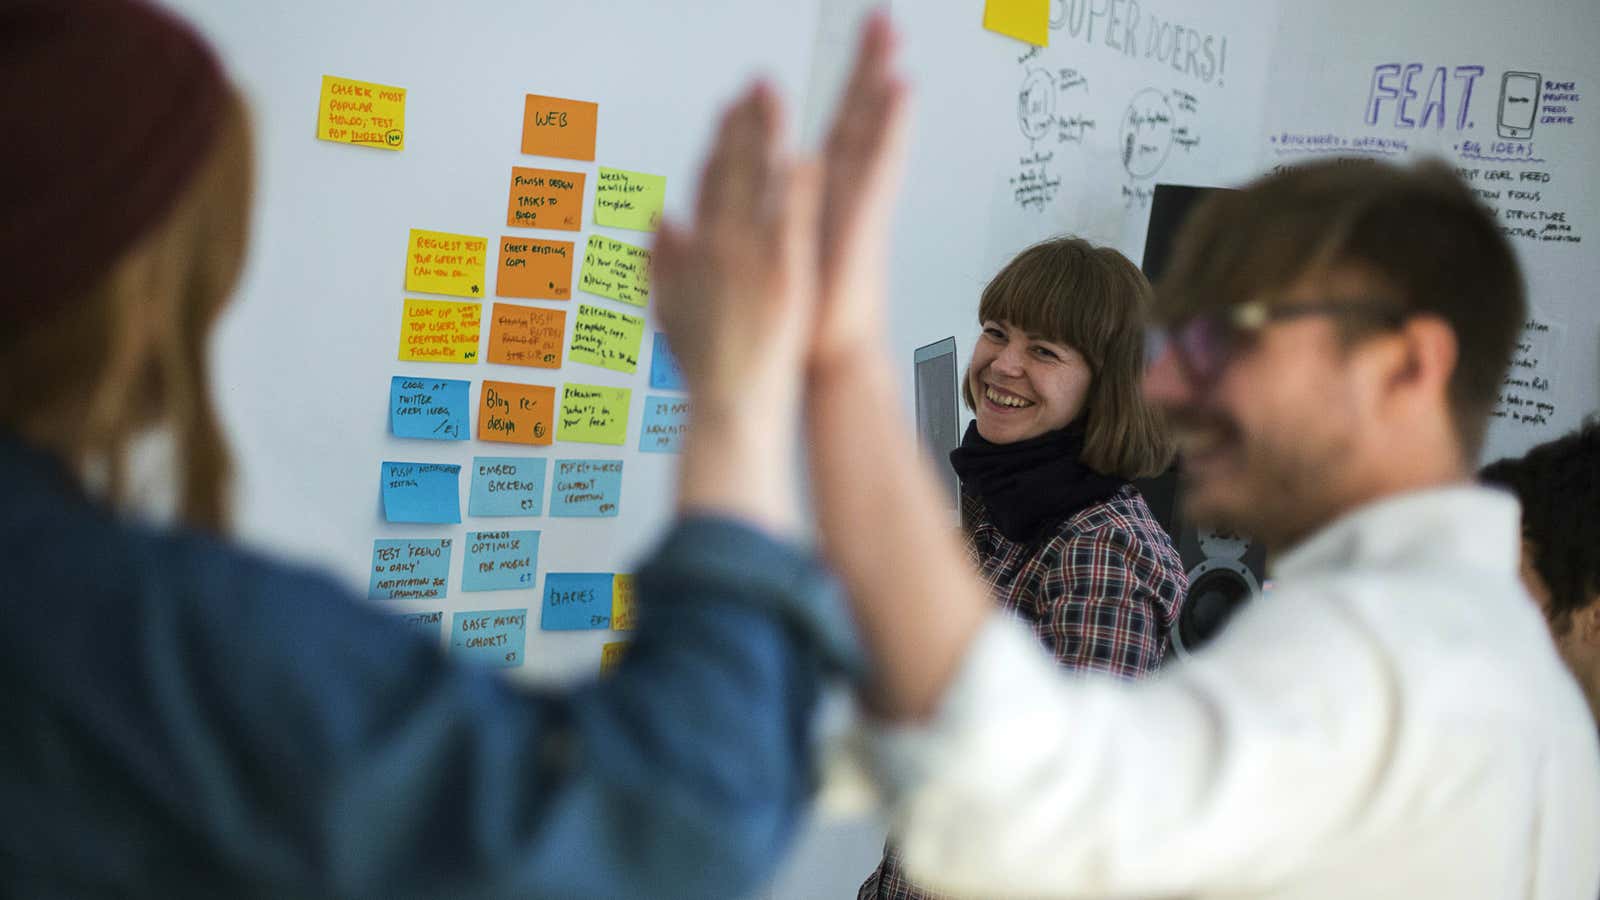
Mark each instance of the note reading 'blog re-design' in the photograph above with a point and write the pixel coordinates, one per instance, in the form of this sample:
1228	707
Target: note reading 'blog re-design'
506	486
490	637
440	331
545	198
632	200
500	560
586	488
534	269
553	126
362	113
617	270
438	262
516	413
526	336
427	493
576	601
429	408
593	414
406	569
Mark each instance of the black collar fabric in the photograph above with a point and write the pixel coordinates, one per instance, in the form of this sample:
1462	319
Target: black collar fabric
1033	484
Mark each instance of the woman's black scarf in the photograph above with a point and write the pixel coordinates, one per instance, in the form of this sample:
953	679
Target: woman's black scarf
1032	484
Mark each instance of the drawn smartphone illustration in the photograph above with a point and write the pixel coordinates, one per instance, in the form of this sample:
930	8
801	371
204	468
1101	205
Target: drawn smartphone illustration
1519	104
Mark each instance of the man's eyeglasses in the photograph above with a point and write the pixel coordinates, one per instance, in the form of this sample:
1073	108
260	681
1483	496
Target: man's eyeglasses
1204	344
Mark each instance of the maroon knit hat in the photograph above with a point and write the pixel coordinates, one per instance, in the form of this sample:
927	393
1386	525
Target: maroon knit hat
107	109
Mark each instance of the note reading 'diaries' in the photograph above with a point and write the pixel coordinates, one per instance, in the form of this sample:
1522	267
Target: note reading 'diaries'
362	113
577	601
438	262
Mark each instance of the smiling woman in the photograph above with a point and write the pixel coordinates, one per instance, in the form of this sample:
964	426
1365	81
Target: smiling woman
1059	535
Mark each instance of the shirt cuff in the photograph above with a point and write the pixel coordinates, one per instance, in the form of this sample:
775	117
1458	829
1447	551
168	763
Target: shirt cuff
719	559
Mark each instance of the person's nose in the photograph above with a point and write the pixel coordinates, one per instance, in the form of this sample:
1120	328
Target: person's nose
1011	358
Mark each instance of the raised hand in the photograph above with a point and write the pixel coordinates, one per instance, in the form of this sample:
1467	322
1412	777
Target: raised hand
861	173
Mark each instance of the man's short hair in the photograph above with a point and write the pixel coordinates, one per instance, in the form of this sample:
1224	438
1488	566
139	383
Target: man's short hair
1559	486
1418	232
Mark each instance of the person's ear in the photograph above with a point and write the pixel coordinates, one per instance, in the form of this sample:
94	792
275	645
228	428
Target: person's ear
1586	622
1417	367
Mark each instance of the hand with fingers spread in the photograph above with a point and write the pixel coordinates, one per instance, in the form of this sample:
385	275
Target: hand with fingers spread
861	168
736	293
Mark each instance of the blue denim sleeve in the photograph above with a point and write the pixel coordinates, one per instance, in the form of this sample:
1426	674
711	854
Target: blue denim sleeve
224	725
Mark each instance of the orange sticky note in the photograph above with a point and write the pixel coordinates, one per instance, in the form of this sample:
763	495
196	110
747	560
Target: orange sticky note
553	126
545	198
1025	20
611	656
516	413
538	270
526	336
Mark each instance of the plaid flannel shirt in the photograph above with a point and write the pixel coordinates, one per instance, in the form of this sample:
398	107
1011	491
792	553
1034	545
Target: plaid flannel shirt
1101	592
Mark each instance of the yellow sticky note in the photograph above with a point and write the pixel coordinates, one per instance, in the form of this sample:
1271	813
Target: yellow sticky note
1025	20
606	338
440	331
624	199
592	414
362	113
622	603
611	656
438	262
617	270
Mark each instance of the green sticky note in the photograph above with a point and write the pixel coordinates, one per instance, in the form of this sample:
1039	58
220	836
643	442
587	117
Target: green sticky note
616	270
624	199
603	337
592	414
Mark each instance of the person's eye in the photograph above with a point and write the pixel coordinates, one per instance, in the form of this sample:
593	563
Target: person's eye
1046	353
994	332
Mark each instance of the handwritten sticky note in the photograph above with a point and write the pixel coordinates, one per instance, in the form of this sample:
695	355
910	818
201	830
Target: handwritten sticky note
666	419
584	488
545	198
421	492
611	656
440	331
362	113
506	486
409	569
499	560
616	270
490	637
552	126
606	338
438	262
576	601
1025	20
538	270
633	200
664	372
516	413
424	624
591	414
526	336
622	603
430	408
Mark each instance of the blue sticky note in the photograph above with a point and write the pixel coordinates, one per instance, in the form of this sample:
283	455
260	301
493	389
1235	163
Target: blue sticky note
500	560
576	601
586	487
431	408
490	637
425	624
421	492
664	372
409	569
665	421
506	486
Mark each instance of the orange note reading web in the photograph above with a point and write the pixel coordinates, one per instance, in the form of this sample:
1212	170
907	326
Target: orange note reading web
538	270
516	413
545	198
525	336
552	126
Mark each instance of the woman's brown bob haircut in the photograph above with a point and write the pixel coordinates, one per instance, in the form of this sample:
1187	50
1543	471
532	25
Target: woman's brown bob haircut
1418	234
131	354
1068	291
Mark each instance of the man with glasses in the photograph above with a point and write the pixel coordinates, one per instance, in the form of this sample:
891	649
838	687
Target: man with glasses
1392	722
